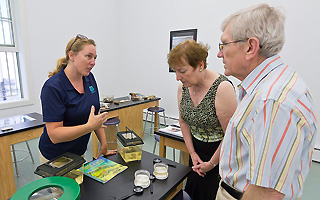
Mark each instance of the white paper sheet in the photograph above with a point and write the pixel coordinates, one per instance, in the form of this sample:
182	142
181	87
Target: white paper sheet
173	130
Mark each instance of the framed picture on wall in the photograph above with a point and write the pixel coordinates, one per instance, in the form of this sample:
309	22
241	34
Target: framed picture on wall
179	36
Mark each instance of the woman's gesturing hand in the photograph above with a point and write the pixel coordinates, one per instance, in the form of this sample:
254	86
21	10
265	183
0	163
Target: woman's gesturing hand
96	121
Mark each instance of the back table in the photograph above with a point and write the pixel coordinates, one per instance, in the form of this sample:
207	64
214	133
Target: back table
130	114
21	132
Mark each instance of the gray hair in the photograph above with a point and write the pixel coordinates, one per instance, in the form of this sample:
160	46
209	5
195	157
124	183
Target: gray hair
261	21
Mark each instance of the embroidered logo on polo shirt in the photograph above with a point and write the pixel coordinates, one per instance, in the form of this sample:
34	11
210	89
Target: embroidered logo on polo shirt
92	89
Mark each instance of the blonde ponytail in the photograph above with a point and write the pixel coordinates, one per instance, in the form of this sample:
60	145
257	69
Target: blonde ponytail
61	62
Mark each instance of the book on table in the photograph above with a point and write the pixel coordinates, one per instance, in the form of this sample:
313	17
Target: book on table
102	169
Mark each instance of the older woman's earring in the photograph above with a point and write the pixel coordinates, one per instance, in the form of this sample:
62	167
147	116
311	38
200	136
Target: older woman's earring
200	70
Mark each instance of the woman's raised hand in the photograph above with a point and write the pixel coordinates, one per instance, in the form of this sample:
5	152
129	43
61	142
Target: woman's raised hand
96	121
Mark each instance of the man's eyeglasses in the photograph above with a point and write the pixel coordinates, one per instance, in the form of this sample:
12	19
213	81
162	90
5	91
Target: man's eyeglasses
221	45
79	36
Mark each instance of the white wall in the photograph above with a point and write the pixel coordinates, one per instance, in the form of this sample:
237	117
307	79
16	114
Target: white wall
133	41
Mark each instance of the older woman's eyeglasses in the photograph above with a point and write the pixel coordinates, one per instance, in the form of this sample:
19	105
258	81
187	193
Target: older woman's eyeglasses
79	36
221	45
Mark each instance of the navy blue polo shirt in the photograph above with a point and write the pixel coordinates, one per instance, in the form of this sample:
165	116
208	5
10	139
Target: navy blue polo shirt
62	102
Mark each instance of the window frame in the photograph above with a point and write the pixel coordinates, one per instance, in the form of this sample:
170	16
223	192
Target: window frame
16	9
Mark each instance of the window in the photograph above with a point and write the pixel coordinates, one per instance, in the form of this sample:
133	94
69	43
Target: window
10	77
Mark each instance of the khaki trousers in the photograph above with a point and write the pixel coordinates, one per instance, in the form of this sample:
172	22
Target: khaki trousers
42	158
222	194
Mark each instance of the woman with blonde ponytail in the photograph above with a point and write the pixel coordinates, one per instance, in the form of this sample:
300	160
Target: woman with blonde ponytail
61	62
70	103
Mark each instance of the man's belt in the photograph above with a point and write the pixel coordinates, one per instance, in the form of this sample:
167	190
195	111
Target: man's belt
232	191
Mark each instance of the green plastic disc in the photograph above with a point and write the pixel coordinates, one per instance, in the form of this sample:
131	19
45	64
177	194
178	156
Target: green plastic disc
71	189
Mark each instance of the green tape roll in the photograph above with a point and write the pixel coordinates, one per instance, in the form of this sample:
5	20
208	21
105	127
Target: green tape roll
71	189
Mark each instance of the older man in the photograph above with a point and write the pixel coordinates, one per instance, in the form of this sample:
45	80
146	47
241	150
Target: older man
267	148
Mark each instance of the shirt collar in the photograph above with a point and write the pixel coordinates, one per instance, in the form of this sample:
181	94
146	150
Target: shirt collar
66	81
261	71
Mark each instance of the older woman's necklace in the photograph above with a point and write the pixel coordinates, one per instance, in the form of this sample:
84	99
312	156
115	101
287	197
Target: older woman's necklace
194	92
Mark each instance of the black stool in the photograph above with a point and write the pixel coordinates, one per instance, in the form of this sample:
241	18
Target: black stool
112	121
15	161
154	110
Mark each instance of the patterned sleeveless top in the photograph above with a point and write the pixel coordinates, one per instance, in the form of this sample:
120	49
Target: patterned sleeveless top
203	121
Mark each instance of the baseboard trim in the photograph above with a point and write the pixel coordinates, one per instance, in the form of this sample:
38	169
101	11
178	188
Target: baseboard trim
315	161
161	121
316	155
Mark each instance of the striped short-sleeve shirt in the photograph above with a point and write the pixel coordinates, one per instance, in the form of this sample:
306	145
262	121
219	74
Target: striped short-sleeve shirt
269	140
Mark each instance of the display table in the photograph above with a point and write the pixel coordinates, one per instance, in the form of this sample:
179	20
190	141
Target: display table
130	114
173	141
25	127
122	184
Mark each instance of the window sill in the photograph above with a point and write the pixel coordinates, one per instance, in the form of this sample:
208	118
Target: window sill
14	104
